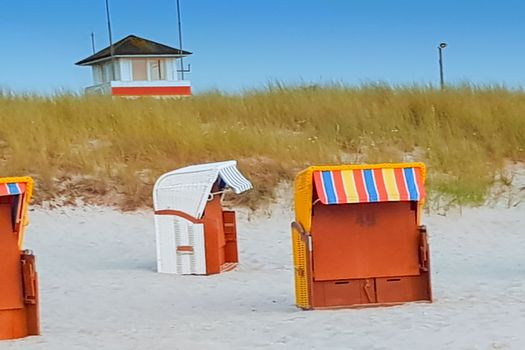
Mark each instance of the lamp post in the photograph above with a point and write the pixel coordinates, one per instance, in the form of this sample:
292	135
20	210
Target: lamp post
441	77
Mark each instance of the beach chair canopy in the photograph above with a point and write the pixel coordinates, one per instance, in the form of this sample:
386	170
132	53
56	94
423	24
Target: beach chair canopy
347	184
188	189
12	188
16	192
357	237
340	186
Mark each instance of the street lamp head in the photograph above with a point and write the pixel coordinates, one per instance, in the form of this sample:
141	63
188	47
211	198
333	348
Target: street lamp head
442	45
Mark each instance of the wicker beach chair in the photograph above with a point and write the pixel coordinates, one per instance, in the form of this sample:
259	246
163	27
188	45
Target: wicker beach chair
357	238
19	315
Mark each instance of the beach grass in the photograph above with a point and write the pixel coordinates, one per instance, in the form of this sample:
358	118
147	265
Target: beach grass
107	150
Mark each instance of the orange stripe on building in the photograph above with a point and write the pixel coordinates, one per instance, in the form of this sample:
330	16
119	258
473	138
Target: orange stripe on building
151	91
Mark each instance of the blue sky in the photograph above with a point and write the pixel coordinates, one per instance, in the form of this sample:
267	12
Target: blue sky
240	44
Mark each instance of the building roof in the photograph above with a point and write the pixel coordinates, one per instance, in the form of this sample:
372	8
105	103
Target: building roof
133	46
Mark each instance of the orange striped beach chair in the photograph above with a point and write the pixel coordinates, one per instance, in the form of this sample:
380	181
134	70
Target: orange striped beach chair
357	237
19	315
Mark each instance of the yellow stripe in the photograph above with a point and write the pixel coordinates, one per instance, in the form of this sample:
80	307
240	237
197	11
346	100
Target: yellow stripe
390	183
349	182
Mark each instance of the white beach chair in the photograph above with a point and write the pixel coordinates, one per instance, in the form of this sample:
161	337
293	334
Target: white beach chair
194	235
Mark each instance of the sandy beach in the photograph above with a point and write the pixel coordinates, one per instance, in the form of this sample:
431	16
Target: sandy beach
99	289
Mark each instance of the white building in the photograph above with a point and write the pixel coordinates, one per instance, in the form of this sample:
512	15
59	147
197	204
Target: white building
139	67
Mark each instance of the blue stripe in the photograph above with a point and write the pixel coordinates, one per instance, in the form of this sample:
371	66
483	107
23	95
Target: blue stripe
13	189
329	187
411	184
370	186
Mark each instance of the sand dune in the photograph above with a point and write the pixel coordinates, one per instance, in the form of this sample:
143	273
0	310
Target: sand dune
99	289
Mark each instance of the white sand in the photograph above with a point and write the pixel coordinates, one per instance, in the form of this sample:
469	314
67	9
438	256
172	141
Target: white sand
99	289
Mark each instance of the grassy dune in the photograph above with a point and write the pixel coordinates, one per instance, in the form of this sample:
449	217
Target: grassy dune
111	151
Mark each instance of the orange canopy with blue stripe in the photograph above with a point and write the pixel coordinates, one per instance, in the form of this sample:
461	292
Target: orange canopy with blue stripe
12	189
369	185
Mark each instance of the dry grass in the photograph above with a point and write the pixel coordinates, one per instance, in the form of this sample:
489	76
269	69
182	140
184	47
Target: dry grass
111	151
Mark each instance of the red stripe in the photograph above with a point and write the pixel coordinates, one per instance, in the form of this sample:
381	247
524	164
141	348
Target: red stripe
362	194
380	185
4	190
151	91
419	183
319	186
401	185
339	186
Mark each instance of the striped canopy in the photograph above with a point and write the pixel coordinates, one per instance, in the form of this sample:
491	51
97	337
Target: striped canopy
369	185
11	189
188	189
